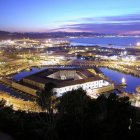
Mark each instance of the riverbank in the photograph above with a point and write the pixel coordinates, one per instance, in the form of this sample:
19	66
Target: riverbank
19	104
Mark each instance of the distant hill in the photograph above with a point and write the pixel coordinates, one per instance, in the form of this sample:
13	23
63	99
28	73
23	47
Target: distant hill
15	35
4	32
37	35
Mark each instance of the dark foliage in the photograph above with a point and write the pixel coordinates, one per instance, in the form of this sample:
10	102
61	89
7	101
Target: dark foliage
45	97
78	117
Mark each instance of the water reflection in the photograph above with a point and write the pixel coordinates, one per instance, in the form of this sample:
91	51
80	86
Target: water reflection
132	82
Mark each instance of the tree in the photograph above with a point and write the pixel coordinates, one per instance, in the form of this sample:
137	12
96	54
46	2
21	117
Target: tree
46	97
47	100
119	115
72	110
2	103
73	103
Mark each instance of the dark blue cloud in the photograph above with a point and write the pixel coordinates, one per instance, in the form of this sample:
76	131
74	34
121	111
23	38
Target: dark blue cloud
112	24
105	27
122	18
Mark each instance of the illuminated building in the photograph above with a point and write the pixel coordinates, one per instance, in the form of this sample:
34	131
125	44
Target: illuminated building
69	79
52	43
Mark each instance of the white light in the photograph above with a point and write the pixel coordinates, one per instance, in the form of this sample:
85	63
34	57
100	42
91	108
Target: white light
133	58
123	80
138	44
125	52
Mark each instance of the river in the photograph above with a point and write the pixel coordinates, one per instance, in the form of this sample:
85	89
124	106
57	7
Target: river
14	93
132	81
116	42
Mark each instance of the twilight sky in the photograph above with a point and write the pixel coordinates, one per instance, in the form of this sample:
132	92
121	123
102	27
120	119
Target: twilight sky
102	16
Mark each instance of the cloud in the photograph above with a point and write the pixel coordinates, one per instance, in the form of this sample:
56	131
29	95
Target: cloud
122	18
112	24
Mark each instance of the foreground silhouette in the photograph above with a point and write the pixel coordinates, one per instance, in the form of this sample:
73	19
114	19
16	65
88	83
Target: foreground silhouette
77	117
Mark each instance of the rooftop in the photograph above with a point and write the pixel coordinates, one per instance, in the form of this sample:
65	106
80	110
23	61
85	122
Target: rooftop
62	77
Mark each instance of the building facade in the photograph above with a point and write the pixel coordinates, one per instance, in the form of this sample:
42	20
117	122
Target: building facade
69	79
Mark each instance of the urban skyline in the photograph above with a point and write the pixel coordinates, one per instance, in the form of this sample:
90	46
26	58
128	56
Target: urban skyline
69	69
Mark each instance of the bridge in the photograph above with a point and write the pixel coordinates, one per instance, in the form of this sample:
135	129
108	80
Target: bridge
67	66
